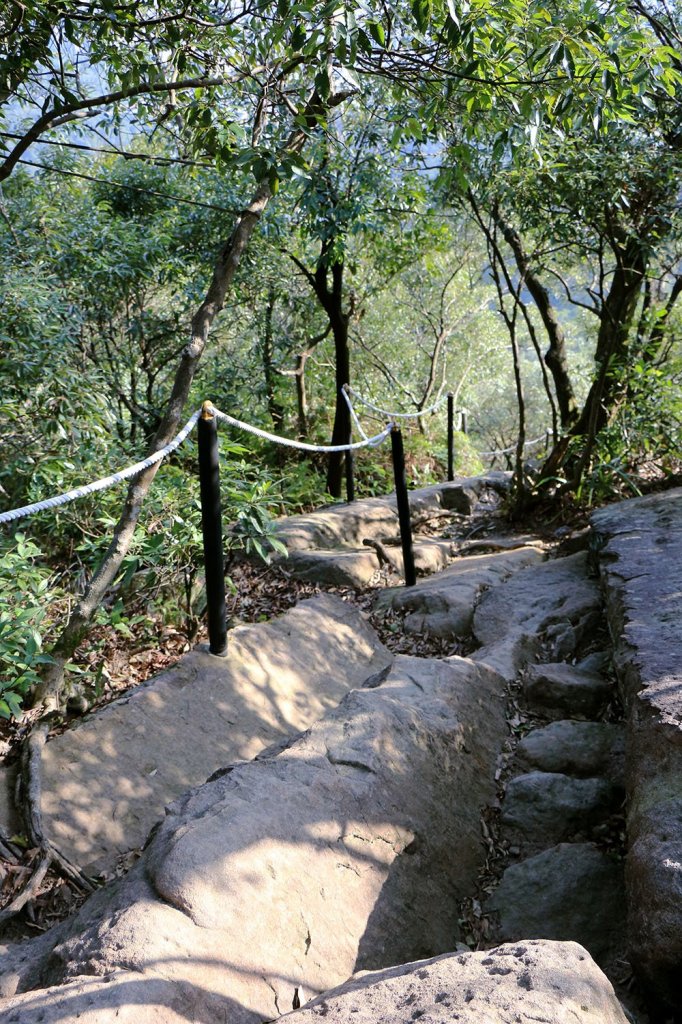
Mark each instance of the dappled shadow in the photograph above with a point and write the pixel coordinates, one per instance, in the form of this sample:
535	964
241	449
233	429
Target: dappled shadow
108	779
276	874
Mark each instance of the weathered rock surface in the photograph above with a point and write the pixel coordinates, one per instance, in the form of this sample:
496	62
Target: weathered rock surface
641	564
347	525
561	689
107	780
443	605
337	568
510	619
349	849
572	891
523	983
543	808
576	748
430	555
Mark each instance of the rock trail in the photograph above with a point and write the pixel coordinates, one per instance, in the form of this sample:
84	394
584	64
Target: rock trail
352	840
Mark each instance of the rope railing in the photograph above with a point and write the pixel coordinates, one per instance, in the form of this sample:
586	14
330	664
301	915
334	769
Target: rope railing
394	415
126	474
104	482
209	477
512	448
302	445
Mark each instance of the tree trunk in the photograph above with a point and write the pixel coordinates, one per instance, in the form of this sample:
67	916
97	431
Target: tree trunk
555	356
267	353
332	301
48	693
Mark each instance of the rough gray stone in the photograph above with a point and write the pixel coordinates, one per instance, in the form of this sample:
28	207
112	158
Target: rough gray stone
560	689
345	525
576	748
640	544
351	848
106	781
510	619
430	555
572	891
337	568
443	605
543	808
338	526
522	983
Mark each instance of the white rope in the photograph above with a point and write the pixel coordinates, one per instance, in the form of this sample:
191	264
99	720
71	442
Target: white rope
352	411
396	415
107	481
508	451
301	445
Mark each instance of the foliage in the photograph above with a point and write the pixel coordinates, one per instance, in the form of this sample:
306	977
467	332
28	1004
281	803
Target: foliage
26	590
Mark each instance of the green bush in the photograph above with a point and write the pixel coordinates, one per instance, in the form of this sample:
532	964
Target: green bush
27	591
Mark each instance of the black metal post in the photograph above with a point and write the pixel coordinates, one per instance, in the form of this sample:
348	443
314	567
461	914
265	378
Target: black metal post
451	440
212	529
403	502
350	478
464	421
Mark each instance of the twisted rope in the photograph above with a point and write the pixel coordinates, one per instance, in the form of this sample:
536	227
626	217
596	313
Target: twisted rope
301	445
396	415
106	481
512	448
351	410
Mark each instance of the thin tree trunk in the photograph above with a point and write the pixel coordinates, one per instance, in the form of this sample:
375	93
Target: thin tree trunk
267	352
555	356
48	692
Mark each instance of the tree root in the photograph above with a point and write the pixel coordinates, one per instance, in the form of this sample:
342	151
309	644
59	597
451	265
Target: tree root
29	800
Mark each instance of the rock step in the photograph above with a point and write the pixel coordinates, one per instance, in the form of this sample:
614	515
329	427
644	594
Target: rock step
561	689
443	605
107	780
350	849
347	525
572	891
544	808
552	982
511	620
576	748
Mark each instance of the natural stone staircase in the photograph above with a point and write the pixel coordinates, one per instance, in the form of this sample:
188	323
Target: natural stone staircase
349	846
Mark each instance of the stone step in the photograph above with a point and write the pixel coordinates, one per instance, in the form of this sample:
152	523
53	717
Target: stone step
511	621
559	689
107	780
348	850
529	981
443	605
576	748
544	808
572	891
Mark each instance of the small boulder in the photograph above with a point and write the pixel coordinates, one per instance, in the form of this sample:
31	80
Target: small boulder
336	568
561	689
553	982
570	892
542	808
576	748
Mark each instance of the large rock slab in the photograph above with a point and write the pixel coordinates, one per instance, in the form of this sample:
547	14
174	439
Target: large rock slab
345	525
561	689
349	849
557	598
107	780
552	982
576	748
443	605
640	544
572	891
336	568
543	808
